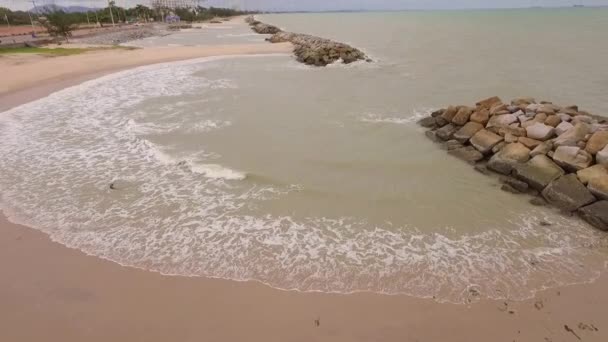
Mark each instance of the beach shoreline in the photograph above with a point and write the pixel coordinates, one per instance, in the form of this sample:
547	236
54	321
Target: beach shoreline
53	293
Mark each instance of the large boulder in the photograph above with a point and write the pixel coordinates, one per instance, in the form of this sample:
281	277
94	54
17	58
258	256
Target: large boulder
480	116
567	193
596	214
540	131
446	132
597	142
449	113
528	142
553	120
489	102
467	131
501	120
591	173
484	140
572	136
543	148
467	153
462	116
599	187
509	156
572	158
563	127
262	28
602	156
538	172
428	122
523	101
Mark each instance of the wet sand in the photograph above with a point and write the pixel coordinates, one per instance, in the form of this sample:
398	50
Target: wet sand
52	293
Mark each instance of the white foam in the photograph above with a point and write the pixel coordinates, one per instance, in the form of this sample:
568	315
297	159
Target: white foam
217	171
380	118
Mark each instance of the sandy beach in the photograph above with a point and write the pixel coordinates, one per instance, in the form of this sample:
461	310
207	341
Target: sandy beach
52	293
28	78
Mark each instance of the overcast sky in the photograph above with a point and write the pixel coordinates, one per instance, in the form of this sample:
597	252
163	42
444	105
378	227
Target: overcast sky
319	5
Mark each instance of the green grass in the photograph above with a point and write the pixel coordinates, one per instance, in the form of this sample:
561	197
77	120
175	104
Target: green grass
43	51
58	51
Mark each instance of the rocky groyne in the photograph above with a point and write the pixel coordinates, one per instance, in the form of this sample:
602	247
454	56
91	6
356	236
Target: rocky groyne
310	49
558	154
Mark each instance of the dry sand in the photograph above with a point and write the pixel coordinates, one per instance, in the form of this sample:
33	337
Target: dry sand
52	293
25	78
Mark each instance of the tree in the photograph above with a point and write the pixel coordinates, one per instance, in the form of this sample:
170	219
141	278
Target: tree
58	23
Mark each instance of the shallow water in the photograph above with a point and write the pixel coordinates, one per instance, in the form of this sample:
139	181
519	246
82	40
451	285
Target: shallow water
312	179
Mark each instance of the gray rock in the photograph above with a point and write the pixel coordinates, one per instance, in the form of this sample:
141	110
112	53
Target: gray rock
538	172
440	121
481	169
432	135
509	188
540	131
484	140
596	214
567	193
437	113
467	131
467	153
428	122
572	158
515	183
452	145
508	157
446	132
538	201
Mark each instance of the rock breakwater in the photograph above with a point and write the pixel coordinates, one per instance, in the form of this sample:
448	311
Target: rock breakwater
558	154
310	49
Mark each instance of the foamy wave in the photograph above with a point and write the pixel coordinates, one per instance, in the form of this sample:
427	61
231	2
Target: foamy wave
218	172
237	35
378	118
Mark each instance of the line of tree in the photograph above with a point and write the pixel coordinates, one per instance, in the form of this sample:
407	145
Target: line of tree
121	15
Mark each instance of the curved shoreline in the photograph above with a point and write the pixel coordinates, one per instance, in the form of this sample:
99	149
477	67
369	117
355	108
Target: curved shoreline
39	77
50	292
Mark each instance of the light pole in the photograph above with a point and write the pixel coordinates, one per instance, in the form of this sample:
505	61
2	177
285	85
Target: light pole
111	15
32	20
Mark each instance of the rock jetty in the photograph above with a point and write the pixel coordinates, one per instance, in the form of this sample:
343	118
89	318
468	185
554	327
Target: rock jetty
559	154
310	49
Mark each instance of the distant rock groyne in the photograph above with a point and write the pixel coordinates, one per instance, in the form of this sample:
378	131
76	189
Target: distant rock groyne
559	154
309	49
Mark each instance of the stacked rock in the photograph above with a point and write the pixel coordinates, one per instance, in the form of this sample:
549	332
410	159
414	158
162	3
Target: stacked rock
262	28
309	49
558	152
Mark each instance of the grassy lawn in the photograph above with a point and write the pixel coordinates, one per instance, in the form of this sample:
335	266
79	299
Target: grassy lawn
56	51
